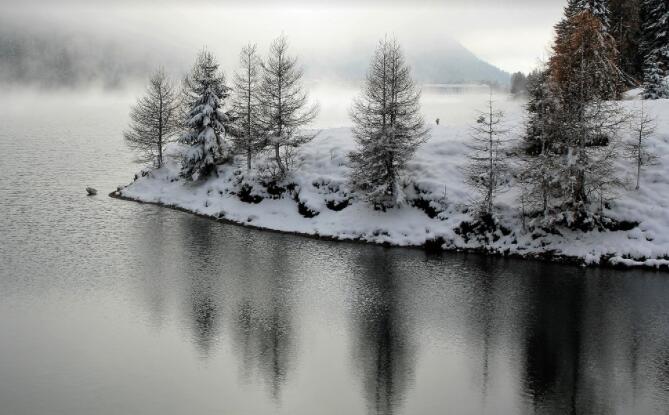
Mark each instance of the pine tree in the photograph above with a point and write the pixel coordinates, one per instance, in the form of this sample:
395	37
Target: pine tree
626	30
487	167
655	47
539	155
154	119
388	127
518	84
541	104
654	80
204	92
246	126
285	103
655	30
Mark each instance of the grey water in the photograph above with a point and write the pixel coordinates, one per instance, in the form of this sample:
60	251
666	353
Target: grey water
113	307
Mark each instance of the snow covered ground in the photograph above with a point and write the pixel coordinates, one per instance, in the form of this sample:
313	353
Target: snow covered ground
315	200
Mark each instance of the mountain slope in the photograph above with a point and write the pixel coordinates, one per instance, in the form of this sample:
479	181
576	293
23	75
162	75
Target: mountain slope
445	62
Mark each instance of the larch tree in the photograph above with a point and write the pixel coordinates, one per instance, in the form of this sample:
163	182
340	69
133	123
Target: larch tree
638	149
585	61
487	168
584	78
388	127
247	126
286	108
572	8
204	90
154	120
599	9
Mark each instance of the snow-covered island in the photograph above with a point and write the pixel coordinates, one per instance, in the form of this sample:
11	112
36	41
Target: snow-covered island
574	169
315	199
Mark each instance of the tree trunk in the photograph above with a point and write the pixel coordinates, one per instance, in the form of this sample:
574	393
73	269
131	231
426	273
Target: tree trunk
248	116
160	128
277	155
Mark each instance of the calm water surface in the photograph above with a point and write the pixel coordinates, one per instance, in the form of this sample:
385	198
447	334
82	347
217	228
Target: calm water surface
112	307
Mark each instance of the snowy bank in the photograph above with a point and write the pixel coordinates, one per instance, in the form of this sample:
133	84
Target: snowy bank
315	200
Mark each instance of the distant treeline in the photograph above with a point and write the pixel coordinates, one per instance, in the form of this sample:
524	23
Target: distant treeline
63	60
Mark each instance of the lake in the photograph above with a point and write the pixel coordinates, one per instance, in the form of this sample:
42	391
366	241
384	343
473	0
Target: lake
113	307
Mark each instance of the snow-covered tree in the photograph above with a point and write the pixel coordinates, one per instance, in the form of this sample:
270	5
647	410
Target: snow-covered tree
285	103
539	154
585	61
597	8
570	10
204	91
541	104
573	125
655	84
388	127
247	111
655	29
154	119
487	168
637	150
587	152
655	47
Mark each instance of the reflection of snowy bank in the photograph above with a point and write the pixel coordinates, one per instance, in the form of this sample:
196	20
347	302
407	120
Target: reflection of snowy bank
316	200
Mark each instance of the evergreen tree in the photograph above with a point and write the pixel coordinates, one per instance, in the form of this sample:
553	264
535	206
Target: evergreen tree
246	126
626	30
204	92
655	84
541	104
655	47
518	84
487	167
541	144
285	103
388	127
154	119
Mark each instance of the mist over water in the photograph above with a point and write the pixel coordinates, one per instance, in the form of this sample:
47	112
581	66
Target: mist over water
72	44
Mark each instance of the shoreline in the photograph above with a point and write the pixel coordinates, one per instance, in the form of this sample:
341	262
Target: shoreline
545	257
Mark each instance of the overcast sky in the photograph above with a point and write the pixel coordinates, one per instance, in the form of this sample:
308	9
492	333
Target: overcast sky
512	35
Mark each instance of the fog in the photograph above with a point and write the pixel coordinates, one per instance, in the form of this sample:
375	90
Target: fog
69	43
